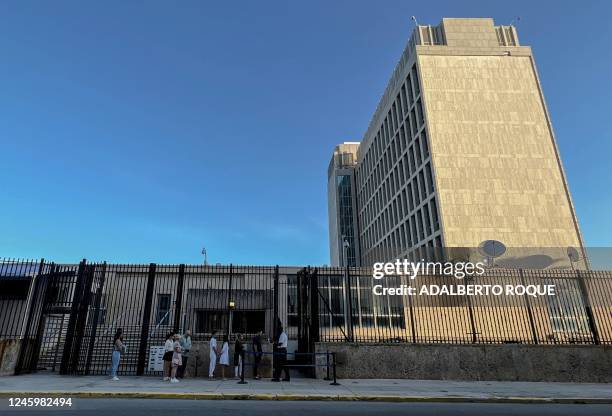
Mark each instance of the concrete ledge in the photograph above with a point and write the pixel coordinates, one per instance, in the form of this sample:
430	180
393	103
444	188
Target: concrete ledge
9	354
471	362
315	397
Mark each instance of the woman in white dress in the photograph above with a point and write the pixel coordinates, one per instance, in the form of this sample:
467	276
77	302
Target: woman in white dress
224	359
212	344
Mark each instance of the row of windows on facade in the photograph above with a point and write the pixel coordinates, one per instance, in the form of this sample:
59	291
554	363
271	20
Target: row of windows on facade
414	232
378	181
401	208
377	159
398	195
402	161
346	213
385	209
413	188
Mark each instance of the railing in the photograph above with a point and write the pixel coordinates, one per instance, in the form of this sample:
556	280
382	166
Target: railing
90	301
580	312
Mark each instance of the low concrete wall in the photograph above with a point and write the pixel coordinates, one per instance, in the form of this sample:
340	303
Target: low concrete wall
510	362
9	354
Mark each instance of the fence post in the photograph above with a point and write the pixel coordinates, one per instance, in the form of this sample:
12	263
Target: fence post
299	300
179	298
81	322
66	355
587	307
94	324
412	323
230	312
275	305
335	382
471	314
146	321
42	289
314	330
34	287
349	304
534	333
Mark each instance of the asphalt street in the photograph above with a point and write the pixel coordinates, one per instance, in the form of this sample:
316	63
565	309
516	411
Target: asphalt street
151	407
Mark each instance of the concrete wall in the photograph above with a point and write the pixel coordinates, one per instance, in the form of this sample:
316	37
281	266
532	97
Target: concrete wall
509	362
9	354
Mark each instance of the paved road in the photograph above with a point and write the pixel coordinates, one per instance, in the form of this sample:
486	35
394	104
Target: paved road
151	407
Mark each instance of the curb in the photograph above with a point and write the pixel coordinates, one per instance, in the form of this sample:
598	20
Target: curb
312	397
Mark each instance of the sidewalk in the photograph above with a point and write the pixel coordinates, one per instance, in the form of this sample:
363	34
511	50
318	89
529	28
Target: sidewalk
308	389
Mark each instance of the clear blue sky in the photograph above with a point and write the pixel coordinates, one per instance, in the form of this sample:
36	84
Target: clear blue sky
142	131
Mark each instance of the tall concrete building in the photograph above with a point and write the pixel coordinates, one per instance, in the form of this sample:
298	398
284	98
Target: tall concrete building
461	149
341	194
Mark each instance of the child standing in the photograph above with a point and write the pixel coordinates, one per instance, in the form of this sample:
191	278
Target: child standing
177	359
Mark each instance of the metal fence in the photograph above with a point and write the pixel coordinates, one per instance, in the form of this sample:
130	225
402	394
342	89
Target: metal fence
580	312
65	315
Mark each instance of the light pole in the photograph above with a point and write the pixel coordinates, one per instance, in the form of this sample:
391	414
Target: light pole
205	254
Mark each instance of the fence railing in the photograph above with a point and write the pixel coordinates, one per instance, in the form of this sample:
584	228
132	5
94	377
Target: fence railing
580	312
66	315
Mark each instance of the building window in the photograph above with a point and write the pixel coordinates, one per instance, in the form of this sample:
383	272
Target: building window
415	80
404	102
428	230
410	94
208	321
162	316
417	150
425	145
434	214
430	184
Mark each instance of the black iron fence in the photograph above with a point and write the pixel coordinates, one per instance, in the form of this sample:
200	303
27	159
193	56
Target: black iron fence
65	316
580	312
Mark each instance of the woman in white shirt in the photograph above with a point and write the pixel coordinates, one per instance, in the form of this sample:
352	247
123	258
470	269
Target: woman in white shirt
212	344
168	352
224	359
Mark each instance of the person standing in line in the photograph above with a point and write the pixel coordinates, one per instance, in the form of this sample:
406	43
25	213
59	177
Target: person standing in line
118	349
224	357
168	352
257	353
177	360
238	353
281	348
212	344
185	346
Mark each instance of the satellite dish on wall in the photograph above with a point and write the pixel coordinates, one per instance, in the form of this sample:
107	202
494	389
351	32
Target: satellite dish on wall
573	254
491	249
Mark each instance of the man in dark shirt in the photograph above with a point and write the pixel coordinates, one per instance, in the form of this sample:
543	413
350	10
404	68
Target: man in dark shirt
257	353
238	356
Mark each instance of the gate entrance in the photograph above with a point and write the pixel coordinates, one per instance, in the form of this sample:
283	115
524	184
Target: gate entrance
52	341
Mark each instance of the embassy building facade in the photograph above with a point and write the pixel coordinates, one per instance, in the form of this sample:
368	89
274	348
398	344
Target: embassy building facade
460	150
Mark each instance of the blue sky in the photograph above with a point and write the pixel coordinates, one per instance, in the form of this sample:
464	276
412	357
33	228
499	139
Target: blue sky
142	131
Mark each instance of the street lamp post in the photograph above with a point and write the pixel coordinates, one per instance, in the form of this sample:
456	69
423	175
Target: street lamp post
205	254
